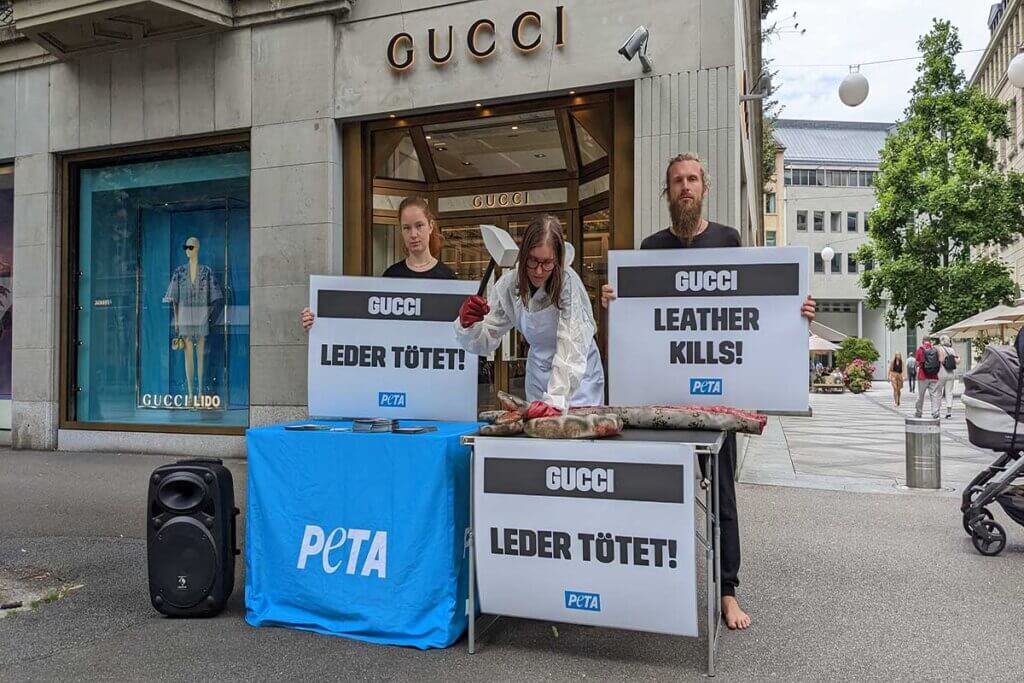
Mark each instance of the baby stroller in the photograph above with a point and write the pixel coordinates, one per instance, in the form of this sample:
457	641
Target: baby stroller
992	399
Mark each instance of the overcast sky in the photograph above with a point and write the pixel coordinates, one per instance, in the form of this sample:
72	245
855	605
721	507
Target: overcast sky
863	31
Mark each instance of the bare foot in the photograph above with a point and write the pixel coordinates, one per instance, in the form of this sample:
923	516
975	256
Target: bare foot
735	618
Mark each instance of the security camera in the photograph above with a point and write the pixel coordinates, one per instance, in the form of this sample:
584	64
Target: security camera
637	44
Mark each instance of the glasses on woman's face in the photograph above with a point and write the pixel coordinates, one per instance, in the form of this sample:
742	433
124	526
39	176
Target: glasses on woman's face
547	265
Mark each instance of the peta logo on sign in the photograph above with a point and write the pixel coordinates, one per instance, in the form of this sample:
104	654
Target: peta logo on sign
705	386
366	559
588	602
388	399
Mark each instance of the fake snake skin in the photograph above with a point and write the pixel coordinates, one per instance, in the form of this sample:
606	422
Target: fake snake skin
601	421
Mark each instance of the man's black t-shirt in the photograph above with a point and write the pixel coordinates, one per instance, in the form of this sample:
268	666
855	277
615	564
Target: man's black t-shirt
715	235
438	272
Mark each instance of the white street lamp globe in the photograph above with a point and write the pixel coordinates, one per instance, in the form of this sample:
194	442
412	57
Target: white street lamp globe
1016	71
854	89
827	253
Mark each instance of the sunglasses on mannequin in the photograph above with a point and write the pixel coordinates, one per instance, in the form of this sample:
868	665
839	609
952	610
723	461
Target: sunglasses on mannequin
189	247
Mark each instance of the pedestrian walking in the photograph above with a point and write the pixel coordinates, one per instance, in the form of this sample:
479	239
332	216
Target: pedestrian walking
928	364
911	373
896	377
947	372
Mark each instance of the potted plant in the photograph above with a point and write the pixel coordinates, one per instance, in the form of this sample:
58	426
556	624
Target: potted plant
858	376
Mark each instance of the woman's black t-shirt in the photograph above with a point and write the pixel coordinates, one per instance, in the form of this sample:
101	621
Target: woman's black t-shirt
897	366
439	272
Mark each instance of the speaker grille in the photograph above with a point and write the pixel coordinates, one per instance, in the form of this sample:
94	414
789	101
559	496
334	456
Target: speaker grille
183	562
181	492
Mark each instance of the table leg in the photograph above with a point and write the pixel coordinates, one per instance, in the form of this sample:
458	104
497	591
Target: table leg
471	601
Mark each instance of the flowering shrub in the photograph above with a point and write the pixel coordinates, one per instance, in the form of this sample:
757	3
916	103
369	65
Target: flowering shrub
858	375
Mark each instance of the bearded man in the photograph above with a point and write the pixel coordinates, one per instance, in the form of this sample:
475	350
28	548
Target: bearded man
686	185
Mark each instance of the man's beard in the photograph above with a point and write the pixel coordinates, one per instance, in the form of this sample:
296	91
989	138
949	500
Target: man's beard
686	218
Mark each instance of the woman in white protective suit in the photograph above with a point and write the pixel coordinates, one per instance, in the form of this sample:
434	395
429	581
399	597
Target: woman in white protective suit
547	302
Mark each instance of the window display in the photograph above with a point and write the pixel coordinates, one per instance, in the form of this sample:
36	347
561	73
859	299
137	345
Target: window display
163	292
6	290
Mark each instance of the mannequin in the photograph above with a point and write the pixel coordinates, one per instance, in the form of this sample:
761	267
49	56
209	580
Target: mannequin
193	292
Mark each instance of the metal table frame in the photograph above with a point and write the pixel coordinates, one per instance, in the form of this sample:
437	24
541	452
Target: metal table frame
707	445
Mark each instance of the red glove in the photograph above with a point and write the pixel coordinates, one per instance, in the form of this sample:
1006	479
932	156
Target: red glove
541	409
473	310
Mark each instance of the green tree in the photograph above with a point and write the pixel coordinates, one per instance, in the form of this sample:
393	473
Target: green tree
941	201
852	348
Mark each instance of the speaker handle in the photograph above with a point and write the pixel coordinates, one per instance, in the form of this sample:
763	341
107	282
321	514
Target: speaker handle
234	531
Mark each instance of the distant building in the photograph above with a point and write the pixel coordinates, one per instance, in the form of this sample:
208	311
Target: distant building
1006	23
827	170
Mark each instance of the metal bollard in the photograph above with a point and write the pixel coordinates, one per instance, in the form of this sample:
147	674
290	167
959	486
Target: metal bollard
924	453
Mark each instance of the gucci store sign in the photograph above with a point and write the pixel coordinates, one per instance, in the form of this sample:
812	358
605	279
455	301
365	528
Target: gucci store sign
526	35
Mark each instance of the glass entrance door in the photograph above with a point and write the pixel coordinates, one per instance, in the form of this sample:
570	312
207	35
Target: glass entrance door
502	166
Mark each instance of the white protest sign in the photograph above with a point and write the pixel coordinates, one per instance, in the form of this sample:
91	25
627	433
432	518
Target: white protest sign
598	533
709	327
385	347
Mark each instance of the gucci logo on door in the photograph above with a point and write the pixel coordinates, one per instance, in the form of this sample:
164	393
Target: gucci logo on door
481	40
502	199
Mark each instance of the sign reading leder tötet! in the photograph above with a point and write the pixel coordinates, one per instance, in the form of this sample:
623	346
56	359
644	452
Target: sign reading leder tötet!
709	327
386	347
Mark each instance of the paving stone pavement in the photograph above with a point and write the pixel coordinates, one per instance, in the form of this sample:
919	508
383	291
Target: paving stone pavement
856	442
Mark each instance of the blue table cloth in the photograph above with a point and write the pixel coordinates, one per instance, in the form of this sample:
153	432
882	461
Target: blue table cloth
359	535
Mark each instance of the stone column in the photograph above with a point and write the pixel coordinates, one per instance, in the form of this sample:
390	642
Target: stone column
36	255
691	111
296	204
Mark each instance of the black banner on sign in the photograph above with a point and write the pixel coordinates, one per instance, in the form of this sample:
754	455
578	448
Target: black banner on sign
759	279
332	303
579	479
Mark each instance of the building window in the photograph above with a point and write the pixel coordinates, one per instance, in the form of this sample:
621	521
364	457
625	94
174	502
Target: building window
801	221
911	341
6	290
851	221
835	307
769	203
161	332
867	178
819	264
769	238
851	264
819	221
807	177
837	263
788	176
836	221
868	265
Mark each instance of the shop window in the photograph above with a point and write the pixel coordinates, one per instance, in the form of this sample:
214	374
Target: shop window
501	145
6	290
162	293
801	221
394	156
594	187
593	146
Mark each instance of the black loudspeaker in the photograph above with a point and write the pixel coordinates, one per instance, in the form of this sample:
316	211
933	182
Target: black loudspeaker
191	542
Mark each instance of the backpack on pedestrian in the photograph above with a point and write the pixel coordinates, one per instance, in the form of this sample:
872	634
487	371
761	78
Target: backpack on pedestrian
949	362
930	361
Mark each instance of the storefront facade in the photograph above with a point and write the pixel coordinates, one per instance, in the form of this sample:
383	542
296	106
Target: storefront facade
172	197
